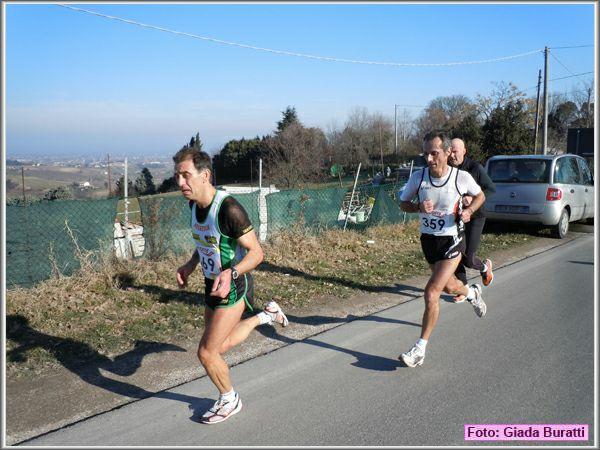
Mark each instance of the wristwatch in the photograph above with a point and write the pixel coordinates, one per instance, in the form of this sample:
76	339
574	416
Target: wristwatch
234	273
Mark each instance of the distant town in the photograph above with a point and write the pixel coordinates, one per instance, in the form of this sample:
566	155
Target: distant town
82	176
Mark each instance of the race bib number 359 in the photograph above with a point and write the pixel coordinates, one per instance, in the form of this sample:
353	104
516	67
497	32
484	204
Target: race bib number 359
434	223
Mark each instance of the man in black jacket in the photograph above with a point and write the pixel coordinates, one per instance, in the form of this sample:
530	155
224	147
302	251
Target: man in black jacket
474	227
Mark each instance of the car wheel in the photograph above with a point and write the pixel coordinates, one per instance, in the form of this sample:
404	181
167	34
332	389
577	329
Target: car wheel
562	227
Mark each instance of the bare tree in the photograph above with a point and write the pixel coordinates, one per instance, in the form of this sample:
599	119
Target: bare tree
296	155
501	96
584	98
405	126
380	135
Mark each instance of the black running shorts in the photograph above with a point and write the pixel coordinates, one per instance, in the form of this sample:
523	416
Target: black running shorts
242	289
438	248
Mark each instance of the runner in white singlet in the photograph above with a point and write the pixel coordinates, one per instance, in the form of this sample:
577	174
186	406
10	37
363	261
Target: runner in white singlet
438	190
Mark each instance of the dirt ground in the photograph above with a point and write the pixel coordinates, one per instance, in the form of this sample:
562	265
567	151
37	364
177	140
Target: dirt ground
39	405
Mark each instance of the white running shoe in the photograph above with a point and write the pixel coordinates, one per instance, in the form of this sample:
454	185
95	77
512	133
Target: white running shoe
414	357
222	410
277	315
478	304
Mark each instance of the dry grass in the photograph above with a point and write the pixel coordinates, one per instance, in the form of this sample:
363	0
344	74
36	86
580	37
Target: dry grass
111	304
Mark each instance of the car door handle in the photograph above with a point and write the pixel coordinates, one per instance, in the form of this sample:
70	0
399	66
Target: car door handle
586	190
572	191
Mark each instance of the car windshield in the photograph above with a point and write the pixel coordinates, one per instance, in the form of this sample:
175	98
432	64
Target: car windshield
519	170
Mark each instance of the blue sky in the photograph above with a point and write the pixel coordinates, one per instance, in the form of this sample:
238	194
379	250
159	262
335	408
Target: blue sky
82	84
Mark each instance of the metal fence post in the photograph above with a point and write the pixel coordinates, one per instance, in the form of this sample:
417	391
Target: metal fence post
409	174
352	195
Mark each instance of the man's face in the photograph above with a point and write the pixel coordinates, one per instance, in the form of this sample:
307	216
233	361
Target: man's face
457	153
189	180
434	154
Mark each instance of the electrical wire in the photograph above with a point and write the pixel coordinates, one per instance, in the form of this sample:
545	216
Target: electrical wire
573	46
561	63
301	55
562	78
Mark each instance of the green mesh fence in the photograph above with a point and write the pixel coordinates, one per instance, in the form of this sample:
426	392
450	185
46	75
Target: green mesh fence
313	208
166	222
38	240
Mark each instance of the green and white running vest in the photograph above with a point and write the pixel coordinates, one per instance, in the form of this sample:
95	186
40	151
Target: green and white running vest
216	251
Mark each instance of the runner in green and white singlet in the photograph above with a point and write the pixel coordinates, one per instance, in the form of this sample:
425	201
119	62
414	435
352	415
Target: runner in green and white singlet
216	231
227	249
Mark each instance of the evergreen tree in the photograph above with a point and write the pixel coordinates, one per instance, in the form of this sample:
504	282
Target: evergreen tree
289	117
506	131
195	142
144	184
469	130
237	158
168	185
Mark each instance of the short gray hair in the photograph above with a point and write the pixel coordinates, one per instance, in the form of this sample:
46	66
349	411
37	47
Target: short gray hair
446	142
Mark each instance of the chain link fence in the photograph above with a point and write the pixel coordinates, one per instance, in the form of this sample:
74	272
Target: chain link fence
41	237
44	238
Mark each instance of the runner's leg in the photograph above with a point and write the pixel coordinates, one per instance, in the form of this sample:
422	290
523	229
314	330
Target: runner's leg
442	271
218	326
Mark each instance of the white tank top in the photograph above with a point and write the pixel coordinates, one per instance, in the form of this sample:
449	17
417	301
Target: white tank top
445	219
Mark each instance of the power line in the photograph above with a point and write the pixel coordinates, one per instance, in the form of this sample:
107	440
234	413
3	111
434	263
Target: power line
301	55
572	46
562	78
561	63
571	76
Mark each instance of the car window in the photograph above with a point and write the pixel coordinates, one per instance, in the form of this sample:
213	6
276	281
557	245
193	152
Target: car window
519	170
585	172
419	161
566	171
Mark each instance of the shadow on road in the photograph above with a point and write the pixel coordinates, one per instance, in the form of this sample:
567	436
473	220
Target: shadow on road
363	360
87	363
585	263
352	284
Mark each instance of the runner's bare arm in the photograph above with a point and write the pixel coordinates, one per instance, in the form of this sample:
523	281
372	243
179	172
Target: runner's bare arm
474	206
253	258
184	271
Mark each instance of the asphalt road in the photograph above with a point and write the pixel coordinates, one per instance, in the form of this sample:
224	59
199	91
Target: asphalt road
529	360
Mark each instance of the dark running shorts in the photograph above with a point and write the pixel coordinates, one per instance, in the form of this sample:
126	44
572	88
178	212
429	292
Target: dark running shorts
438	248
242	289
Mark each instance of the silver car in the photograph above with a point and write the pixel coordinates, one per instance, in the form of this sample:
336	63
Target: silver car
551	190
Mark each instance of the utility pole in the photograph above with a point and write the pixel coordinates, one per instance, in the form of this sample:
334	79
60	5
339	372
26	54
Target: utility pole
23	181
109	180
381	150
396	130
537	113
545	126
590	116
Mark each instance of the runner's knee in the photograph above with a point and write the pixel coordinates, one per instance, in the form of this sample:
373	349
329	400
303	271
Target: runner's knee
206	356
432	294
